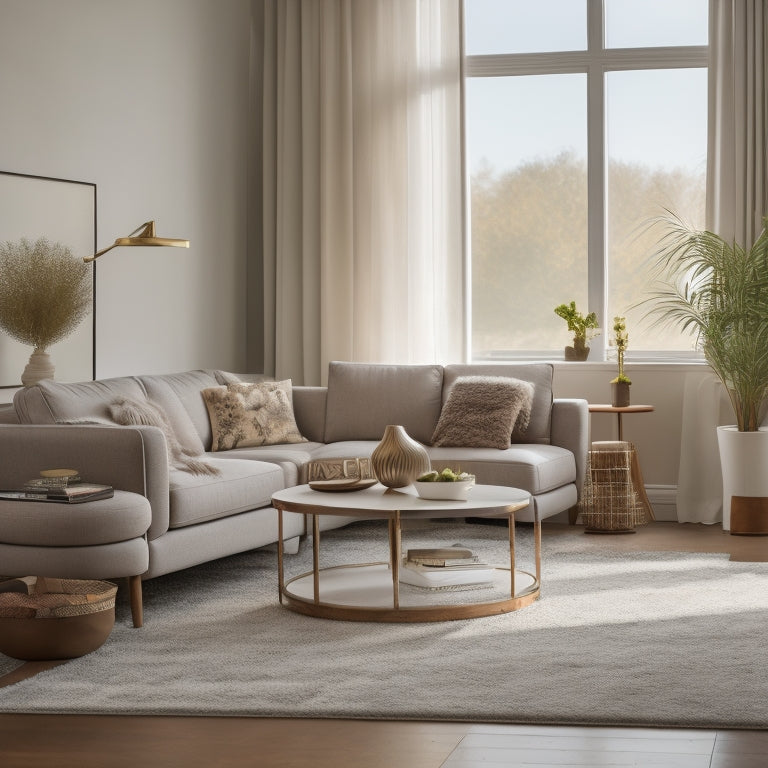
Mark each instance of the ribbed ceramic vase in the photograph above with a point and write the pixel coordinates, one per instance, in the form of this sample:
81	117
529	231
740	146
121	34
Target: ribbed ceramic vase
398	459
39	367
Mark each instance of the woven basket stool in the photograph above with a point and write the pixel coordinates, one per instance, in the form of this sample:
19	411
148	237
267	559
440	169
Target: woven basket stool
609	502
46	619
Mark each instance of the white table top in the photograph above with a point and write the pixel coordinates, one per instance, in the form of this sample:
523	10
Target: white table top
379	501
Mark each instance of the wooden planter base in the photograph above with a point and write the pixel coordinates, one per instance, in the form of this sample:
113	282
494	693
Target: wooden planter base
749	516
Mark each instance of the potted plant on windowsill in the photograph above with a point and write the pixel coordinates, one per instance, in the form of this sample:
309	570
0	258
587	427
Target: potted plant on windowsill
582	327
719	290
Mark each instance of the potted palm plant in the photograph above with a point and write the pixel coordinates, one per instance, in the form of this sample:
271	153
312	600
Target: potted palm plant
719	290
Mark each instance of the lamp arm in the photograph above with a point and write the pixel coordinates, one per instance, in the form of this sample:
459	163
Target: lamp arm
96	255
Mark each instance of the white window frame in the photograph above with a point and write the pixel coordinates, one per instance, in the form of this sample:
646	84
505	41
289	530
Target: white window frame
595	62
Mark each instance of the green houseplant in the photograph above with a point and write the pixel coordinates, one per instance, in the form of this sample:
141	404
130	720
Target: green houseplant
719	290
583	327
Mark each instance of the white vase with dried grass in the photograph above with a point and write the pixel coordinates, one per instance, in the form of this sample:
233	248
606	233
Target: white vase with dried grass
45	292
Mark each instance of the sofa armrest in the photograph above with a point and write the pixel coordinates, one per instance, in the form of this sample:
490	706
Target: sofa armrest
570	429
127	458
309	410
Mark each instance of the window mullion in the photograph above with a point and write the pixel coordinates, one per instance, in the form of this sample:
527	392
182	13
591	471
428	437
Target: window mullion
597	290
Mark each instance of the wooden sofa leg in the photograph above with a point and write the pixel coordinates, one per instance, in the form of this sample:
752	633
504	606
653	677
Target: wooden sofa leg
137	608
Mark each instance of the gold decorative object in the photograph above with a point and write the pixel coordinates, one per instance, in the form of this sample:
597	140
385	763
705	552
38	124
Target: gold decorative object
144	235
358	468
44	294
398	459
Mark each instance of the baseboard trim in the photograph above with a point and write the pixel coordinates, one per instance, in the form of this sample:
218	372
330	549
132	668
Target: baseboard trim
663	499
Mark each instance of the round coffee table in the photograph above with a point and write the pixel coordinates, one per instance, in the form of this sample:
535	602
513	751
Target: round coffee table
355	589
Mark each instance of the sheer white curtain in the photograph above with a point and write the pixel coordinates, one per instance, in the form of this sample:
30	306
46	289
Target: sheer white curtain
737	201
360	200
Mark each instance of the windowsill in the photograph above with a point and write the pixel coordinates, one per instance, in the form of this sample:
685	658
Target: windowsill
668	366
672	364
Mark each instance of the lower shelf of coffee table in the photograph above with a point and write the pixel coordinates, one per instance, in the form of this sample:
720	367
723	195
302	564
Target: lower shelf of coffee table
365	593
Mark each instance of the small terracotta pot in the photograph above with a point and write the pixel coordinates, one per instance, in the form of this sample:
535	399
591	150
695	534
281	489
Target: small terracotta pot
576	353
619	394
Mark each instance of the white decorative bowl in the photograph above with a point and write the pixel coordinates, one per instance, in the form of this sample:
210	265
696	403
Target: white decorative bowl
457	491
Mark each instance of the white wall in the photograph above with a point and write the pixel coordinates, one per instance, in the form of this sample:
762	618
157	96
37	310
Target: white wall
149	100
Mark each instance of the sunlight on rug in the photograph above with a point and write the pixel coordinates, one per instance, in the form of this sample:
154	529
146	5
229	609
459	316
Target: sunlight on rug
664	639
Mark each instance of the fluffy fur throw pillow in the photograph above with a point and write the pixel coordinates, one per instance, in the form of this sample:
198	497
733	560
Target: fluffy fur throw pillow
131	412
482	411
251	414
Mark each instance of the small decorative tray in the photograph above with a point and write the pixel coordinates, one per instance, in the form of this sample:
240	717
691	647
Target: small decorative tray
342	484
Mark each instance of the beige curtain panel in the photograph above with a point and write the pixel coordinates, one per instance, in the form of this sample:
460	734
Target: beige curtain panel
737	169
358	134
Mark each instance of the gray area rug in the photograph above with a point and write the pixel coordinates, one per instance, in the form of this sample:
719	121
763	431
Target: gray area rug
666	639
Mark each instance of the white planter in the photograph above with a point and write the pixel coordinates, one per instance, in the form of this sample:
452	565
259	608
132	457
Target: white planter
744	464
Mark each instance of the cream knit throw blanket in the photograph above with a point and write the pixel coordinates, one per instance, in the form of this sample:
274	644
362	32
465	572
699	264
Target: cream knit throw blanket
129	412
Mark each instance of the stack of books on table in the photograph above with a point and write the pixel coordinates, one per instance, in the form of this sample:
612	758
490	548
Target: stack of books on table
60	485
444	567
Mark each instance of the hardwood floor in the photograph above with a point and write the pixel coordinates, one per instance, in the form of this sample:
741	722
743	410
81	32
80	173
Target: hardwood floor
107	741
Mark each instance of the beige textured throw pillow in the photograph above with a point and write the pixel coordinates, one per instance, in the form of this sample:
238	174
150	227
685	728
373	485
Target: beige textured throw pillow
482	411
245	415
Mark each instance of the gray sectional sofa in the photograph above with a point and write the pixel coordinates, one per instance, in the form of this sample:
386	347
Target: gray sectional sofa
197	518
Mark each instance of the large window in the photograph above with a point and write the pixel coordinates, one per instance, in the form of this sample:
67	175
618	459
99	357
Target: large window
585	120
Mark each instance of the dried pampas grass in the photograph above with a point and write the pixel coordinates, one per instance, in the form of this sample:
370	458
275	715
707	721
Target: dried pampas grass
45	291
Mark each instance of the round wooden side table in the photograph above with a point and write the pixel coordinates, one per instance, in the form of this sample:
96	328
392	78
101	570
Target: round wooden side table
619	411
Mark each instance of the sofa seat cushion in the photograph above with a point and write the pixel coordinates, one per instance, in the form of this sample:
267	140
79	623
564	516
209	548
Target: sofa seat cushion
292	458
534	468
123	517
240	486
363	399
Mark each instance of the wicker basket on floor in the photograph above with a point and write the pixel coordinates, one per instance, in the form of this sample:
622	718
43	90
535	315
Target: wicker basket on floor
46	619
609	502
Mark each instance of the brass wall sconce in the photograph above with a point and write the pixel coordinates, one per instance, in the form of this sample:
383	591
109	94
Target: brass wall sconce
143	235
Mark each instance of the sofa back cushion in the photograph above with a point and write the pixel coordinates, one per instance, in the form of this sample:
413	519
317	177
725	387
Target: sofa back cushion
538	374
364	398
50	401
179	395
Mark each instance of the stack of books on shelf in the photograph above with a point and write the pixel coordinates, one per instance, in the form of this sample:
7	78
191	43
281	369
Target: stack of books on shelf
444	567
59	485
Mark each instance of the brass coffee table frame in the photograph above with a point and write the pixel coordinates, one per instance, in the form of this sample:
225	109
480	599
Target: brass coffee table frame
378	503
